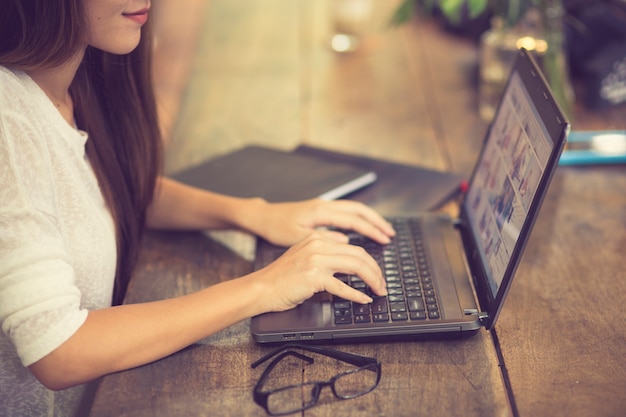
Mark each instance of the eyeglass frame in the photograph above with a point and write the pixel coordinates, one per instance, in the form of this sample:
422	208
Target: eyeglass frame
362	362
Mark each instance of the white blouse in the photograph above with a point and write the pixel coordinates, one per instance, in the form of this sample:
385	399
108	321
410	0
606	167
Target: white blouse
57	243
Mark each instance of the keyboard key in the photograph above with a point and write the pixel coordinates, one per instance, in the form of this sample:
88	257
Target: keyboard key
415	304
379	305
343	320
342	312
397	307
417	315
342	277
380	317
399	316
359	285
394	279
362	318
360	309
411	293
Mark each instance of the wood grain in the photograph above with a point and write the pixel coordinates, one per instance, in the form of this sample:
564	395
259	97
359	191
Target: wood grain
262	73
563	331
214	376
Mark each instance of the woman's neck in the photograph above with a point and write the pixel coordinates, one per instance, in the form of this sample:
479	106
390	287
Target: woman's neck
56	82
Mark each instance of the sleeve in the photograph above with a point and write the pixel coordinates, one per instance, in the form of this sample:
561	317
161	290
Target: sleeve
39	301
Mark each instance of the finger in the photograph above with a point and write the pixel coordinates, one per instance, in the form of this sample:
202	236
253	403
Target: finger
340	289
362	219
355	260
344	258
333	235
348	221
368	214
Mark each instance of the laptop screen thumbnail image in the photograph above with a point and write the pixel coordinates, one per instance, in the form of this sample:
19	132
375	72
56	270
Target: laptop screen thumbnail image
506	179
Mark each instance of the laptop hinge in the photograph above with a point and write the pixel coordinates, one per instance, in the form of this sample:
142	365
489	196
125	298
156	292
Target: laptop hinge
482	316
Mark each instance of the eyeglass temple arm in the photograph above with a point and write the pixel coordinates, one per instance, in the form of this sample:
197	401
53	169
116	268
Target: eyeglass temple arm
350	358
285	353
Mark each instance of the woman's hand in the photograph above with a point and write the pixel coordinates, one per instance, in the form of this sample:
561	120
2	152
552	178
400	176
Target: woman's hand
309	267
285	224
179	206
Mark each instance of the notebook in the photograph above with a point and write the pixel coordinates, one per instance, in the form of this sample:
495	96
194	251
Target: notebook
595	147
429	188
276	175
458	270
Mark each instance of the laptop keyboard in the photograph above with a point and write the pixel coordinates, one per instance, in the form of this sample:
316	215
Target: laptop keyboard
411	295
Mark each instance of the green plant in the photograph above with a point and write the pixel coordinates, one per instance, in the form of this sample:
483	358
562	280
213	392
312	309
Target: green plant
510	12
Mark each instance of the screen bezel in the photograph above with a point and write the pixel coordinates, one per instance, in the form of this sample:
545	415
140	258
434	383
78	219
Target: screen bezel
557	127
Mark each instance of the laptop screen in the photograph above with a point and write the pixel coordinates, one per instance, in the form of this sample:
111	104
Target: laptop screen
508	175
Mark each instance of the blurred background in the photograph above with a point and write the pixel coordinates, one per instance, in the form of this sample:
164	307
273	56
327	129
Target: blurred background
286	72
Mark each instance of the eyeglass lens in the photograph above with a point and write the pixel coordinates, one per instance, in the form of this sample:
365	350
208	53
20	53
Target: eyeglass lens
357	382
347	385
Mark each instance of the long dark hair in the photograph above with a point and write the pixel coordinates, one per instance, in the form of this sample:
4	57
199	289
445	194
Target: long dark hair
113	102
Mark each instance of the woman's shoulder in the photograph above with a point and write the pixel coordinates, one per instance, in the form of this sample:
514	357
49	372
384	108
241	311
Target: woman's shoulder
23	104
18	103
16	90
7	73
22	122
12	81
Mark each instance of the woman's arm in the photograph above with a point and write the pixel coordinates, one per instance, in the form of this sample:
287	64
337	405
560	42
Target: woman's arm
182	207
127	336
178	206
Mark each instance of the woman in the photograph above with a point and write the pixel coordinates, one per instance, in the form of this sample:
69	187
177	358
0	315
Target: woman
79	181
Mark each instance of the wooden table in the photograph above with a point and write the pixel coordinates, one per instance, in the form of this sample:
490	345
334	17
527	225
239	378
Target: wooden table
263	74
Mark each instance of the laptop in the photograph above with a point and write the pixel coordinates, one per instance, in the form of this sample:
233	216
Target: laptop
448	277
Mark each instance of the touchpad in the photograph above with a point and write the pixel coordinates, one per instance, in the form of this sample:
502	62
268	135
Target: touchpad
314	313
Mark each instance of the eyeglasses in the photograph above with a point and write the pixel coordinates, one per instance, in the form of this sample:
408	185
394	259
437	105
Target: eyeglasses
299	397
